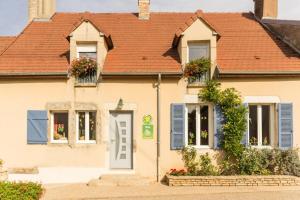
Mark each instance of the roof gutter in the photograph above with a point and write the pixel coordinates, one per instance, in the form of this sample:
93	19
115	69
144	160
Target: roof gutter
258	74
141	74
35	74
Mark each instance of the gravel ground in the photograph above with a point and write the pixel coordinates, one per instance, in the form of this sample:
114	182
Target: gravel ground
162	192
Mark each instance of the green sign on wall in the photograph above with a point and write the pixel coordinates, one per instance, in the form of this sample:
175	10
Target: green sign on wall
147	127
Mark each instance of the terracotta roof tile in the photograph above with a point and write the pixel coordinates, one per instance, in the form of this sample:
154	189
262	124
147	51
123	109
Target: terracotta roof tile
5	41
146	46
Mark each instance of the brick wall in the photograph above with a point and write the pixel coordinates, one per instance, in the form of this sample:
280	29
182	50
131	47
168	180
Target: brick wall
233	181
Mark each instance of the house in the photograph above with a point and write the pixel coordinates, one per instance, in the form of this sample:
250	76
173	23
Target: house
132	115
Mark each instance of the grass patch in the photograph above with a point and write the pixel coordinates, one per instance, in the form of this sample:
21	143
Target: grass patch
20	191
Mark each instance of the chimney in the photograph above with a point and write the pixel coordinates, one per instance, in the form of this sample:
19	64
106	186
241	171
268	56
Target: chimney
41	10
144	9
266	9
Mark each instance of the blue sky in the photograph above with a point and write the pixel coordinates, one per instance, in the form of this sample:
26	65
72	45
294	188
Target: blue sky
13	13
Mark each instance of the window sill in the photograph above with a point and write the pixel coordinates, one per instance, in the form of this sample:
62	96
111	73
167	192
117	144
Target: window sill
59	142
262	147
85	85
200	147
86	142
196	85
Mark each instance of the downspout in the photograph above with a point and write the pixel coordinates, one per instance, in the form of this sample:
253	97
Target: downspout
158	127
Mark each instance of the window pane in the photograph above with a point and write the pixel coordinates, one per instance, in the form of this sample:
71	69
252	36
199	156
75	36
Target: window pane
253	125
265	125
204	125
81	124
91	55
92	125
197	51
192	125
60	126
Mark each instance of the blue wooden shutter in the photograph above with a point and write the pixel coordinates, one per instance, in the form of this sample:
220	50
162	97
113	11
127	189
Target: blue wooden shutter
177	126
218	127
37	128
245	140
285	125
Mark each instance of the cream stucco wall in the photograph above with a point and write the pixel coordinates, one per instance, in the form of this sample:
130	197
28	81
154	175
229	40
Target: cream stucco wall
139	96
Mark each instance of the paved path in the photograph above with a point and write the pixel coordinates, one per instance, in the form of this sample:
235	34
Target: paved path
162	192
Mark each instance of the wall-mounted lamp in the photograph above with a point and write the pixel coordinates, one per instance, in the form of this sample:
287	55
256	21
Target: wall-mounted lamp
120	104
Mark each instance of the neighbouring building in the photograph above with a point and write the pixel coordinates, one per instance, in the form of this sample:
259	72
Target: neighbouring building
115	121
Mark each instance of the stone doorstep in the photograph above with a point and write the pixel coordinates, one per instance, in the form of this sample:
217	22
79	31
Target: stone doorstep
233	180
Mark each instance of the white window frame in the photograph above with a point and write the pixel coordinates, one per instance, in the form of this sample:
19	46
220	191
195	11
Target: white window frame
86	48
52	128
259	125
87	130
198	126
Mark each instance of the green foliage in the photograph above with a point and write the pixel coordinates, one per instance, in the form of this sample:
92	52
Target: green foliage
189	157
197	166
206	166
230	102
283	162
82	67
22	191
1	162
196	68
253	162
264	162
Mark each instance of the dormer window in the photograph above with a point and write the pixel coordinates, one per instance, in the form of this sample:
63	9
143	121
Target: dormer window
87	55
196	50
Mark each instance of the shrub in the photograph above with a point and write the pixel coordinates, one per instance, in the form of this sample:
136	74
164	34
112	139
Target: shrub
283	162
22	191
253	162
206	166
189	157
195	165
82	67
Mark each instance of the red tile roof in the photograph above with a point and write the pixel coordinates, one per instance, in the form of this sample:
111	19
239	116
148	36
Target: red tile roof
5	41
142	46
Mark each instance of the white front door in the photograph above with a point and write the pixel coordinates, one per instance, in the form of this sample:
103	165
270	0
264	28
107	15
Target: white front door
120	140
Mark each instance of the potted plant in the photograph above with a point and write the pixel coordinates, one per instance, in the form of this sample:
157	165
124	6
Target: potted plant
83	67
195	69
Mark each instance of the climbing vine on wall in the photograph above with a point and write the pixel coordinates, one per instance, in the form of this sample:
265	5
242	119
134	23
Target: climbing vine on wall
234	112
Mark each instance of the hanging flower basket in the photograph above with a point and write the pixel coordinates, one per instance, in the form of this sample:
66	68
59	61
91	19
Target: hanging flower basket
83	67
196	69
